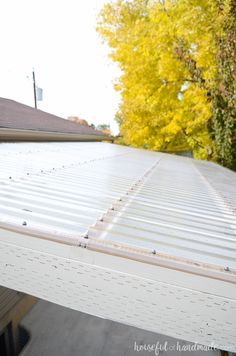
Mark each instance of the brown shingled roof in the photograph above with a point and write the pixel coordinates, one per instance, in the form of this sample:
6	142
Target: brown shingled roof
14	115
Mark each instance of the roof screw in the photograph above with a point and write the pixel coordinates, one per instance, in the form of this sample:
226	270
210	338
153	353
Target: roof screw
9	177
154	252
112	208
226	269
24	223
120	199
86	236
27	174
101	220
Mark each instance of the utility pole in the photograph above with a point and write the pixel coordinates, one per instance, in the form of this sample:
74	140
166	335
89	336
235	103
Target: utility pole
34	86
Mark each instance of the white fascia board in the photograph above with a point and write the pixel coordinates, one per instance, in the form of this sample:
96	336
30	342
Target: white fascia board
174	303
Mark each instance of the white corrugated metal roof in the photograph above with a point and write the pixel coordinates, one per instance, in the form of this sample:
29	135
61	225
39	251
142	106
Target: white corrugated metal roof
134	209
156	202
63	188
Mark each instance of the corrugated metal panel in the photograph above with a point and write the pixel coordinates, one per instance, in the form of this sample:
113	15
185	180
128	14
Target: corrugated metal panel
176	211
159	232
63	188
161	203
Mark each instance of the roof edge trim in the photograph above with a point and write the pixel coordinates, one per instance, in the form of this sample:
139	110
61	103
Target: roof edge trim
127	252
34	135
167	261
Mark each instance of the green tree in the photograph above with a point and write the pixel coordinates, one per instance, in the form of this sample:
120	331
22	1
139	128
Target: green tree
223	125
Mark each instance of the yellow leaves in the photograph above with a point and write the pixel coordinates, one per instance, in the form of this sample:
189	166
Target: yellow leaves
171	129
167	55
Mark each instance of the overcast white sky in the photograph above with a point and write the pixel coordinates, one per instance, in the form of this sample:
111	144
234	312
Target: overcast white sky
58	39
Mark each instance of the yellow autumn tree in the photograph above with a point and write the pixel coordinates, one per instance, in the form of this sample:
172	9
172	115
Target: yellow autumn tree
166	51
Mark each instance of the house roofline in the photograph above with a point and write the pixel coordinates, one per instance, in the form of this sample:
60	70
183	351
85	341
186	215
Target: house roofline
7	135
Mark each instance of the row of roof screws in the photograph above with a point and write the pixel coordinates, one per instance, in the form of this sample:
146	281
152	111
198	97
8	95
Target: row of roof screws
53	169
86	236
227	269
